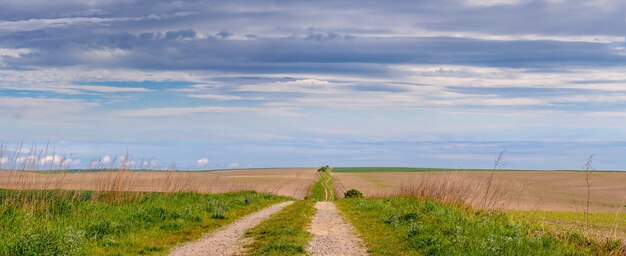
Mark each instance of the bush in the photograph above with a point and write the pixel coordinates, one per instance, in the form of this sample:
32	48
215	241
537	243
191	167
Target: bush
353	193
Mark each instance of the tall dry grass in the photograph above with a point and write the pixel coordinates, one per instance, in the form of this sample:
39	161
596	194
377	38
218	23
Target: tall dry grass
449	187
42	168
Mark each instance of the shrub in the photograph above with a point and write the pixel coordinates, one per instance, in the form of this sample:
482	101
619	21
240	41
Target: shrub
353	193
325	169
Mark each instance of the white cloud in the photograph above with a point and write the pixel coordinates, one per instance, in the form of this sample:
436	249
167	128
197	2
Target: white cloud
300	86
13	52
232	165
105	160
152	163
103	54
307	82
34	24
52	160
4	160
26	160
105	89
126	162
180	111
202	162
211	96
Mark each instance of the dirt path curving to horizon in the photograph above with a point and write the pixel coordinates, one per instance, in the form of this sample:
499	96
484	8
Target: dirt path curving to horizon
332	235
228	240
327	191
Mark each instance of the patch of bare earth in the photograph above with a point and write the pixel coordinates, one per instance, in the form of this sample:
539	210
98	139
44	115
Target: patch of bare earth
332	235
228	240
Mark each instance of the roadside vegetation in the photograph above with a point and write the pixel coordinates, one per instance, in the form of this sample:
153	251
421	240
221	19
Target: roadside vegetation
407	226
114	223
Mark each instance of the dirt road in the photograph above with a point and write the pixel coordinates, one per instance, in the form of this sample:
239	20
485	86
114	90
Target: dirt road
228	240
332	235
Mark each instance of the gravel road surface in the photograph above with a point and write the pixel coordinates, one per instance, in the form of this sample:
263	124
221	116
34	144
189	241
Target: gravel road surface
332	235
228	240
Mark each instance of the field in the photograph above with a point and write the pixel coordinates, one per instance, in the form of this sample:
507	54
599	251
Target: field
406	211
521	190
292	182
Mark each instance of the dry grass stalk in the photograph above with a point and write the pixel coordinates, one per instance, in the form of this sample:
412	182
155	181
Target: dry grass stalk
588	168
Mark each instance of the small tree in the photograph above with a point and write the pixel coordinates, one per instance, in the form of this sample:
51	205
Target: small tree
325	169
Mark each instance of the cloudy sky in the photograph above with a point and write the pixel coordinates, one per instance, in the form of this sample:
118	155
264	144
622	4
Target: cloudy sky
225	84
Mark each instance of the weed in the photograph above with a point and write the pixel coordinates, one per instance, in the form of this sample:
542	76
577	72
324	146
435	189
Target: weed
219	213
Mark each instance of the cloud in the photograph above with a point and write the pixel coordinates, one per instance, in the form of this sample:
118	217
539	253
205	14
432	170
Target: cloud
47	162
6	53
181	111
42	109
495	2
152	163
210	96
180	34
300	85
13	52
202	162
28	161
4	160
126	162
105	160
42	23
232	165
307	82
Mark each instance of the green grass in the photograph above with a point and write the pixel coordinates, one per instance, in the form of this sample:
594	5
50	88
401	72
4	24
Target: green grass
284	233
401	226
81	223
323	189
601	225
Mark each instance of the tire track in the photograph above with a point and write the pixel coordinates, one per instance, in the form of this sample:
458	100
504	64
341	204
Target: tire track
228	240
332	235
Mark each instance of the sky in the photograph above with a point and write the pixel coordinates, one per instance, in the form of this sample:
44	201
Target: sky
233	84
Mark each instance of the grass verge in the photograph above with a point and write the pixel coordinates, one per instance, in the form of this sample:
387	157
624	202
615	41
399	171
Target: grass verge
402	226
285	233
88	223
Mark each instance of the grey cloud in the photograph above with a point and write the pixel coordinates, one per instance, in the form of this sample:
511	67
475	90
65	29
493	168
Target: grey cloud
180	34
274	55
224	34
